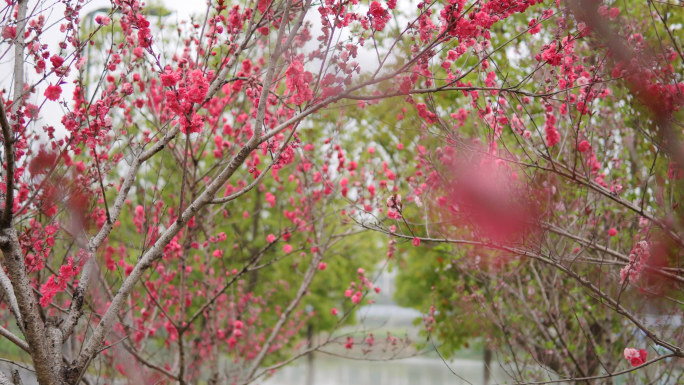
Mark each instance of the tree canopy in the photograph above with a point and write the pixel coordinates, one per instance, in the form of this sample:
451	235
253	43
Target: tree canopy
184	202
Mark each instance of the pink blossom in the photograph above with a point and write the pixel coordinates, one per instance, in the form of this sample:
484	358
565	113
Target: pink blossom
49	289
195	124
285	158
379	16
80	167
489	195
9	32
638	258
169	79
376	9
297	81
102	20
197	86
635	357
356	298
127	88
32	110
416	242
322	266
53	91
232	342
552	135
583	146
333	311
551	55
287	248
350	343
144	32
57	61
139	218
270	199
614	13
612	232
270	238
138	52
81	62
534	29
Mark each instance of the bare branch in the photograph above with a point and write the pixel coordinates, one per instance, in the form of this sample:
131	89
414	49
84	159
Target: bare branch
8	290
609	375
15	340
7	141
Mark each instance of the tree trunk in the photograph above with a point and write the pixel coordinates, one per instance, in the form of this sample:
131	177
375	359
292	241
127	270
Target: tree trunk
487	365
310	356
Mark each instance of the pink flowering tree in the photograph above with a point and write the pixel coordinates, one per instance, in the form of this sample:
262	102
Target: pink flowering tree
123	244
549	199
179	204
164	208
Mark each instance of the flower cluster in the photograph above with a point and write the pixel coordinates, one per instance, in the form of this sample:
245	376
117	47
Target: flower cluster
193	90
297	82
635	357
355	289
378	16
53	92
638	258
50	288
394	206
